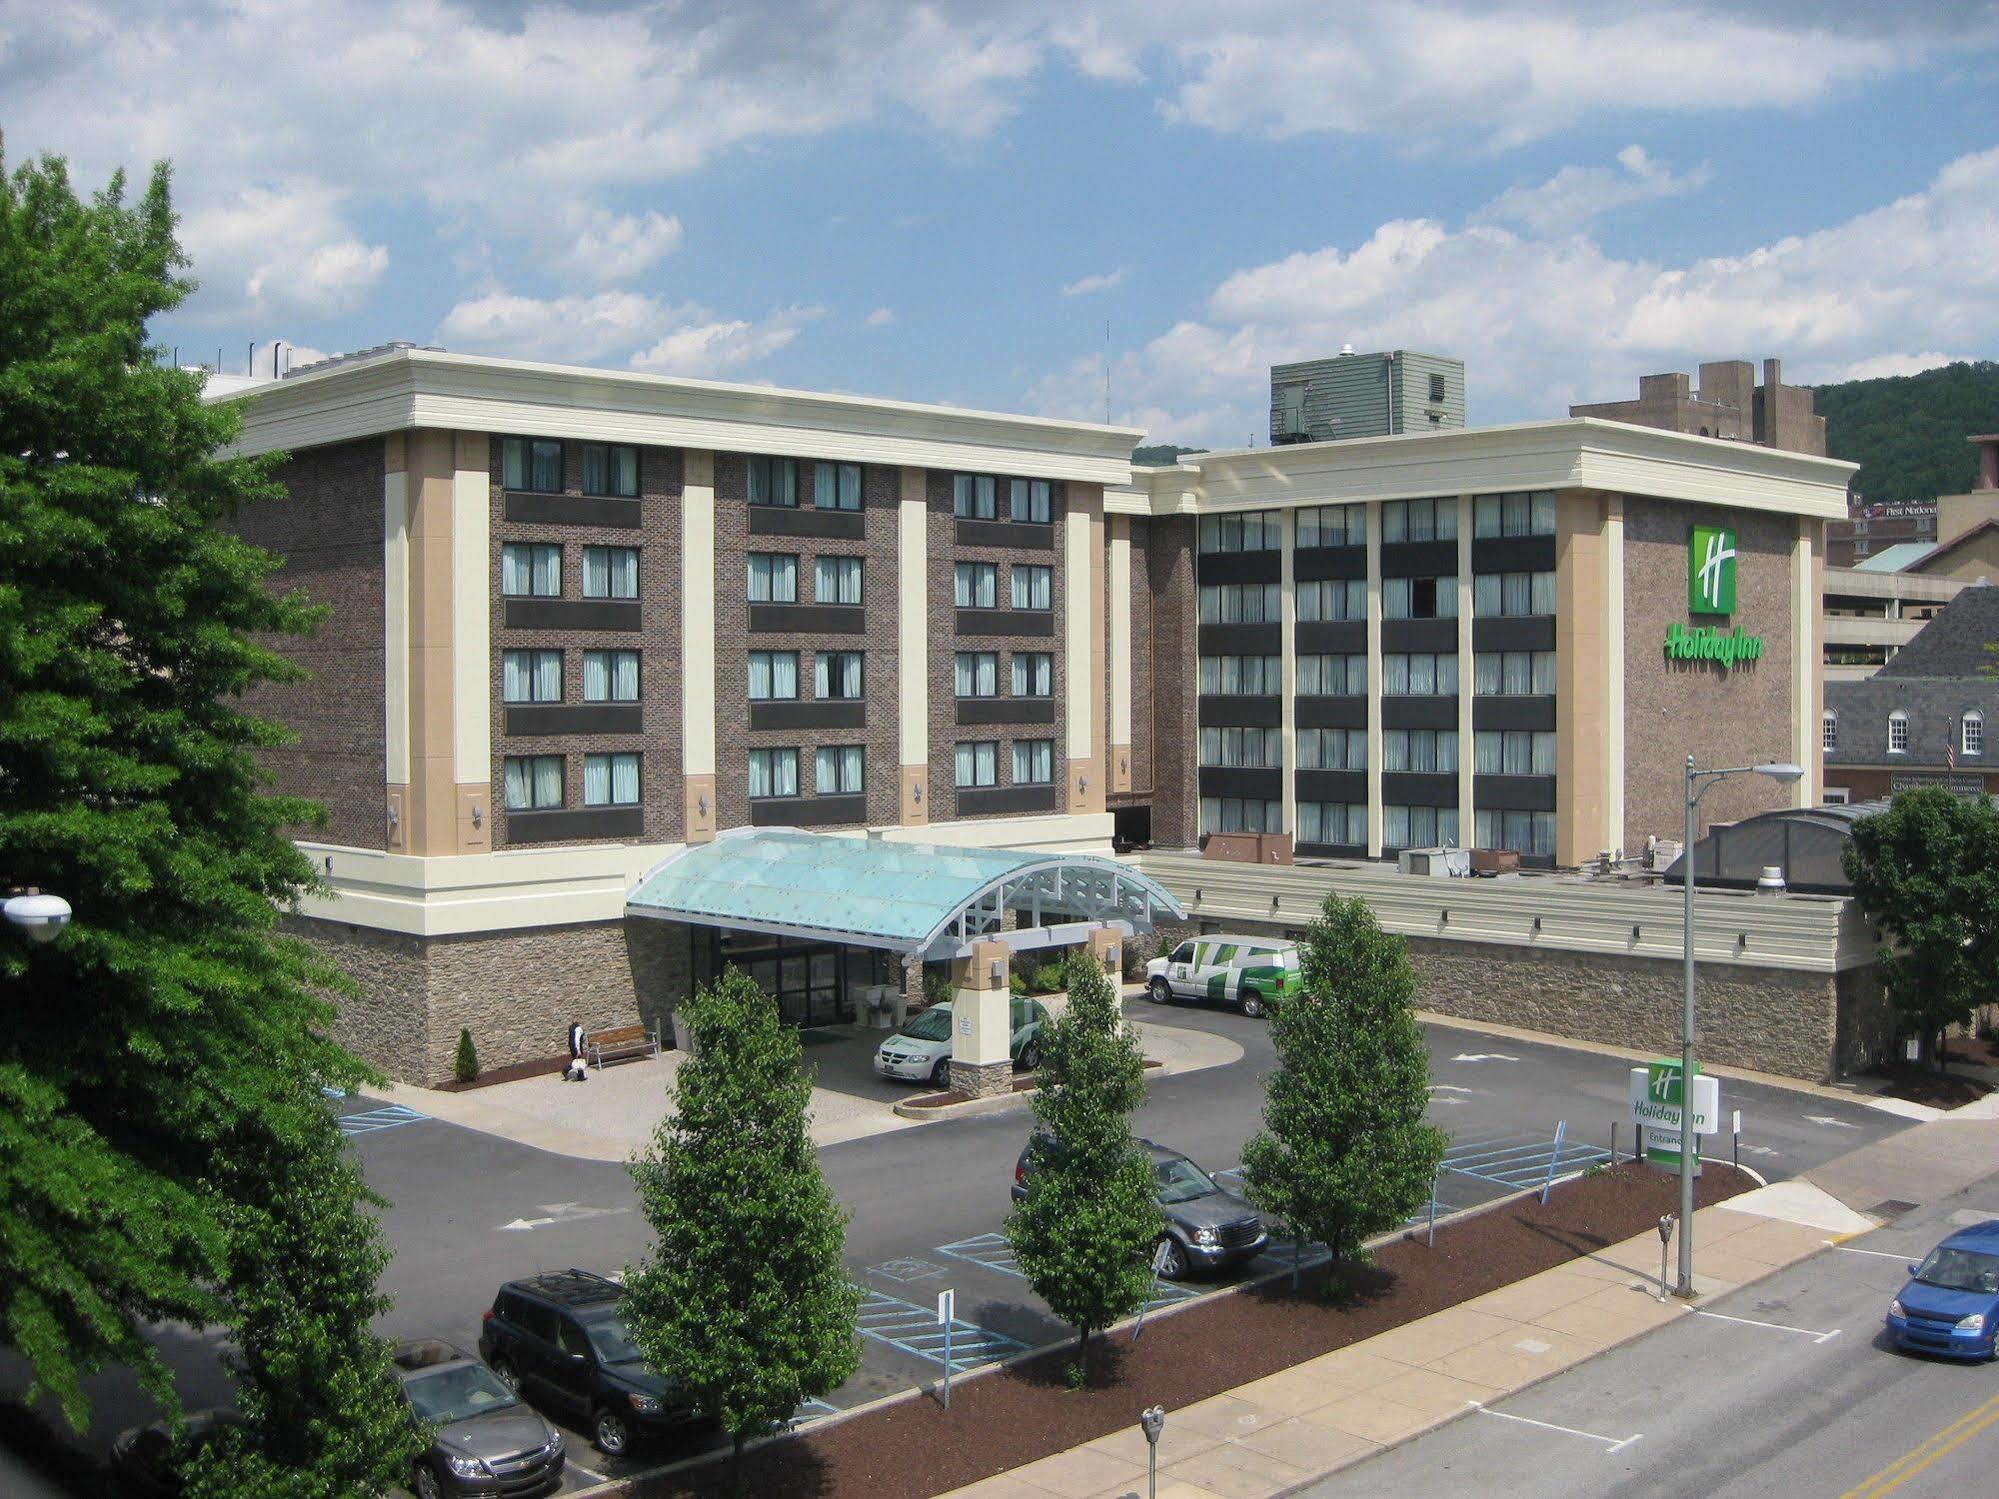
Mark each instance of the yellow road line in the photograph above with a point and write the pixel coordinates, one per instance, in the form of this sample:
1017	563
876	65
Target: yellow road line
1910	1463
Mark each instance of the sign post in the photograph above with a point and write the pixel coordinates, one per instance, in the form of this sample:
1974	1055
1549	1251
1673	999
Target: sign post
947	1306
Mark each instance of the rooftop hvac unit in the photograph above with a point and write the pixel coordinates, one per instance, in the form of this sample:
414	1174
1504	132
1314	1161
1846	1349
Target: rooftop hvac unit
1436	863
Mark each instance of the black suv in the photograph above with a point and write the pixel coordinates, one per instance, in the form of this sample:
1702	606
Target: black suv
559	1339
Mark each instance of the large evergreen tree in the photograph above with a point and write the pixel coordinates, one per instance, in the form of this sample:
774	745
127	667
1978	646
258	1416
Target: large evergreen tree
1085	1231
1344	1153
164	1151
744	1299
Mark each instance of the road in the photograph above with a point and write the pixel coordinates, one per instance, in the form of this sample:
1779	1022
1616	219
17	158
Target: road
1813	1402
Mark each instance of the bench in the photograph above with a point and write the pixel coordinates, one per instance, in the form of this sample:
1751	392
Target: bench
621	1042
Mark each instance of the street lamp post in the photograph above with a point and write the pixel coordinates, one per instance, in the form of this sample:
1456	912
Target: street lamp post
1698	782
40	916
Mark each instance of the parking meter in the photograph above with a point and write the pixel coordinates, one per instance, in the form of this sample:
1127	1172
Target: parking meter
1666	1222
1152	1421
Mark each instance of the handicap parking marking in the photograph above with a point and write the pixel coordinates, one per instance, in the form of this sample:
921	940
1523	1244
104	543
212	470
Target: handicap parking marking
1610	1444
906	1270
1520	1160
992	1252
386	1117
915	1330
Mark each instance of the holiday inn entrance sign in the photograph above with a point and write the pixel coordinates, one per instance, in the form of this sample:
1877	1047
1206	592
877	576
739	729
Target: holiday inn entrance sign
1711	590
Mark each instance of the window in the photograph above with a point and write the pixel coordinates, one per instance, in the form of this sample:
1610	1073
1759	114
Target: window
837	676
1519	514
1419	827
773	772
1507	594
531	571
1333	599
972	497
1332	749
1419	598
1513	674
836	486
1436	387
1512	753
976	674
610	676
1252	748
975	585
1031	586
534	782
531	677
1898	733
1972	734
1828	731
1430	751
1255	531
836	769
1241	676
611	780
531	463
1235	814
610	572
1523	832
1239	603
1419	520
1838	796
773	578
773	676
611	468
1332	676
1031	500
1033	674
1332	822
1033	762
1332	526
773	481
837	580
977	763
1419	676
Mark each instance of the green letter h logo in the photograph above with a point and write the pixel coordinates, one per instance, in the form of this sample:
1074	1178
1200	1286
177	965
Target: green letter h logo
1711	571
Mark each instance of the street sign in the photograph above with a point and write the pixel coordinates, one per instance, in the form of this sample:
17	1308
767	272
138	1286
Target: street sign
1655	1104
947	1307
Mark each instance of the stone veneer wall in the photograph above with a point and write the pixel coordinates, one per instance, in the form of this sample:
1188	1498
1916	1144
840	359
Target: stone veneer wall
387	1023
1175	652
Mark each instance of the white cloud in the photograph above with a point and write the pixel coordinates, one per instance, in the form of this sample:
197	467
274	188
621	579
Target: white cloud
704	345
1876	366
1543	322
1576	197
645	332
881	317
278	251
617	247
1099	281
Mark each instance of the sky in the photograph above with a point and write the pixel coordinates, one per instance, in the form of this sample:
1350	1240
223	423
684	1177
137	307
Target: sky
998	204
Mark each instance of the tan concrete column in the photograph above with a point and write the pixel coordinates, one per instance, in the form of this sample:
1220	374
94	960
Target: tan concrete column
1083	646
912	632
1807	673
1582	667
1374	682
396	641
1118	605
1613	670
982	1021
697	644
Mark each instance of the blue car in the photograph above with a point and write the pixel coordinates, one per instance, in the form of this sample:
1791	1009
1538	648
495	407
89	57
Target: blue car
1951	1304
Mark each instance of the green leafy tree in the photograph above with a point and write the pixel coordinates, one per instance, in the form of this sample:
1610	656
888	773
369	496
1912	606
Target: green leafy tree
1926	872
465	1066
164	1149
1085	1231
744	1299
1344	1153
1907	431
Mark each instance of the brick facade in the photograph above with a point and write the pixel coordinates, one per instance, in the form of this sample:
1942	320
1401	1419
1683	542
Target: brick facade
1169	572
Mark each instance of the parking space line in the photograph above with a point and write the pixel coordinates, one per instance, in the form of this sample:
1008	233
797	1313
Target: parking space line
1879	1254
387	1117
1611	1444
914	1330
1810	1332
992	1252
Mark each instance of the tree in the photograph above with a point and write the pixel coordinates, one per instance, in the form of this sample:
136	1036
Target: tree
162	1058
1926	872
465	1066
1085	1231
1344	1153
743	1299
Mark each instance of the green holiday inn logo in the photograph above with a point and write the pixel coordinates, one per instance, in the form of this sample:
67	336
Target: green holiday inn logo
1711	571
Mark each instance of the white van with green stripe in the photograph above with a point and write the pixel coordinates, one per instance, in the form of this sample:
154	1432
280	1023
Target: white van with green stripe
1249	972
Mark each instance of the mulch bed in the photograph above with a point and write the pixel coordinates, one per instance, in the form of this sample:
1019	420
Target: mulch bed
915	1449
1924	1084
941	1100
540	1067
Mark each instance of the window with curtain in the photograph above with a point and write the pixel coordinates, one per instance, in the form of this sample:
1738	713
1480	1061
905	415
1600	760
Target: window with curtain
611	780
1332	676
1419	520
837	675
836	486
1235	814
975	585
976	763
837	580
611	468
773	578
1332	749
528	571
1332	526
1513	674
1429	751
836	770
1332	823
531	677
533	782
1251	531
610	572
1031	586
1419	827
1030	500
1513	753
1419	675
1242	748
1517	514
1241	676
1523	832
1419	598
1033	674
773	481
1239	603
1332	598
973	496
1497	595
773	772
610	676
1033	762
773	676
531	463
975	674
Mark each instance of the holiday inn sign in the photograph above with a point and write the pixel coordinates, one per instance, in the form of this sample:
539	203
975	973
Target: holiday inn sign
1711	590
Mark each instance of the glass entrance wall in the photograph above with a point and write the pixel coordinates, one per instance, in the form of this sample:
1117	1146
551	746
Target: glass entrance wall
812	983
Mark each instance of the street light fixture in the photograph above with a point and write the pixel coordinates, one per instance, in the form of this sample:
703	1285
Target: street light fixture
1697	785
40	916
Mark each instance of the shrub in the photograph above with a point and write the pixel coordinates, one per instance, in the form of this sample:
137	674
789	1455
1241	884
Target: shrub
1017	984
466	1067
1047	979
936	986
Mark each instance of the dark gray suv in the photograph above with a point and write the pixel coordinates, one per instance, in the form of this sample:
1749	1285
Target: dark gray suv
1207	1226
487	1442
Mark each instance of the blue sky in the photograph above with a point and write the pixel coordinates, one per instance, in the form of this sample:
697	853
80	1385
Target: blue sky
950	202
